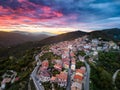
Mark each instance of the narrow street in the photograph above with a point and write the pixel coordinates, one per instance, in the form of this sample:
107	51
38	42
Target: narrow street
114	77
35	79
87	77
69	74
29	86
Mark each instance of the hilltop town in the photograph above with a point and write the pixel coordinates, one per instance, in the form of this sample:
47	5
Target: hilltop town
64	64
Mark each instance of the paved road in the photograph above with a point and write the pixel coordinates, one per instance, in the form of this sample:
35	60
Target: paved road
53	88
35	79
87	78
69	74
115	75
29	86
38	59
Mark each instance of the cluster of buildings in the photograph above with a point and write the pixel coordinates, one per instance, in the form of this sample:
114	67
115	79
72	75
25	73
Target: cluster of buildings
67	51
8	77
43	73
78	79
60	79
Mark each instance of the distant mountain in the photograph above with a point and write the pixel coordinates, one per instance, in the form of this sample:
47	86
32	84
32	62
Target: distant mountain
18	37
13	38
23	52
21	32
34	33
46	33
107	34
35	44
63	37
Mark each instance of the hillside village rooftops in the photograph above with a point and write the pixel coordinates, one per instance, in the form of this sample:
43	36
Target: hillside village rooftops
53	78
58	61
58	66
45	74
80	71
78	77
76	86
45	63
62	76
66	63
72	54
83	68
65	59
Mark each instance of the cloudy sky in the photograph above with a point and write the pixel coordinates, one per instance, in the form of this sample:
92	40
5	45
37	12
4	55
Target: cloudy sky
58	16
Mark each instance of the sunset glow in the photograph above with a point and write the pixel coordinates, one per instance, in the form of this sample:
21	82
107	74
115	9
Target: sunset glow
58	16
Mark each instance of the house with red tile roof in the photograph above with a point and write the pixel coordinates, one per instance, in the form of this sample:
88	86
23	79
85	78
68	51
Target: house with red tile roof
78	78
79	75
53	79
45	64
81	71
44	76
76	86
66	64
58	67
62	79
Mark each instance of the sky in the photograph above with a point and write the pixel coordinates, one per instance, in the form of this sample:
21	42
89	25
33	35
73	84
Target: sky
59	16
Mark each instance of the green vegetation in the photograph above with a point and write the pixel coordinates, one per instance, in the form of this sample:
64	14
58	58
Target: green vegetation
109	60
45	48
79	64
57	87
47	85
32	85
82	53
102	71
49	56
117	82
22	64
107	35
54	72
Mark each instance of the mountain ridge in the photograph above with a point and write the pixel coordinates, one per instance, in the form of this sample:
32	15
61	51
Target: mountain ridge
107	34
8	39
55	39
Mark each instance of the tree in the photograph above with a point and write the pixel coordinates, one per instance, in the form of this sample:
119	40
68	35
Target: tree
82	53
79	64
117	82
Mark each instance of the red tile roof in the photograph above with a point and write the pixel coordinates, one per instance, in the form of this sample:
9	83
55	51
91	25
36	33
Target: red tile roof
80	71
58	66
62	76
45	63
53	78
78	77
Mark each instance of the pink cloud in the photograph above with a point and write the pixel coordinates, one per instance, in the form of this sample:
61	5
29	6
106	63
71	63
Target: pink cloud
58	14
27	15
22	1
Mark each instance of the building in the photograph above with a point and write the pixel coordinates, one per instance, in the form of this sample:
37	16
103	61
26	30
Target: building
45	64
76	86
44	76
